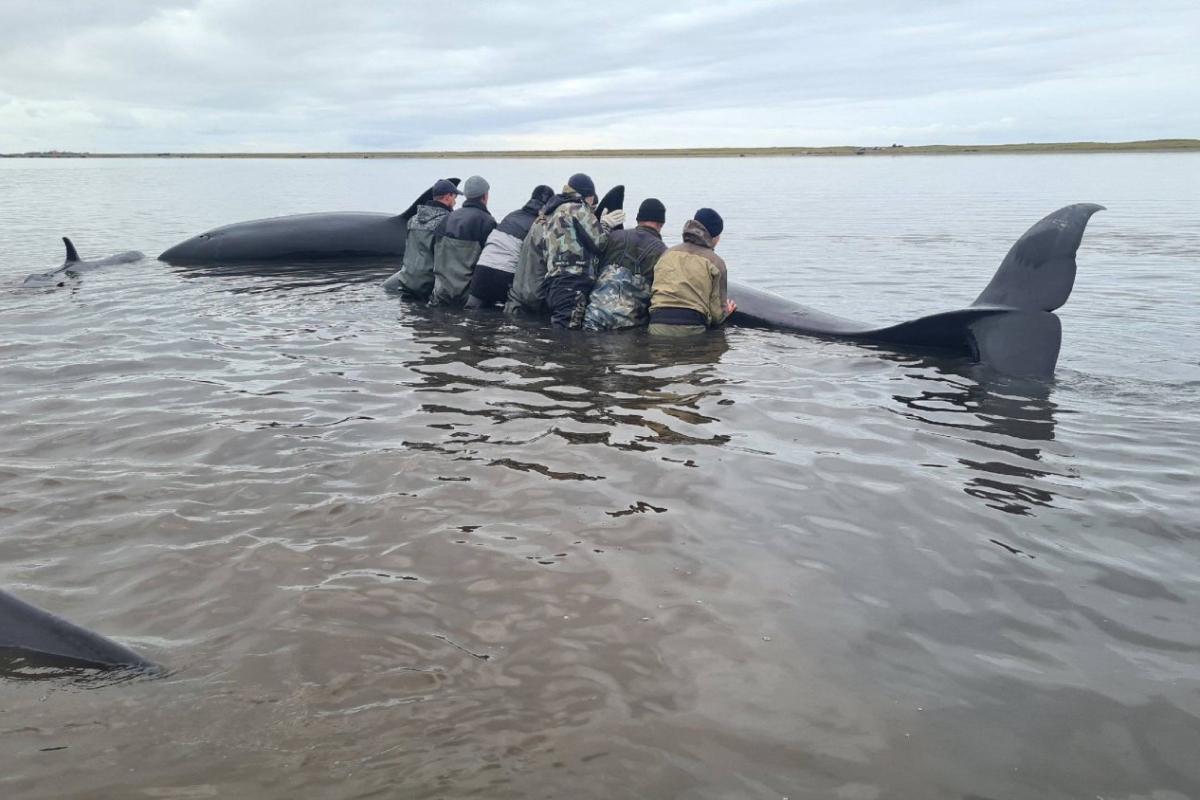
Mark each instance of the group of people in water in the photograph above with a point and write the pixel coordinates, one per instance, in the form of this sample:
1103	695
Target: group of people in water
559	255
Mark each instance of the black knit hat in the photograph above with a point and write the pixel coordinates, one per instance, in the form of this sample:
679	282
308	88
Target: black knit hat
652	210
582	184
711	221
541	193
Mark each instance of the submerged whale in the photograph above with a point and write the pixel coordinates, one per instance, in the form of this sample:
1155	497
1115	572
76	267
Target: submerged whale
73	266
1009	328
29	634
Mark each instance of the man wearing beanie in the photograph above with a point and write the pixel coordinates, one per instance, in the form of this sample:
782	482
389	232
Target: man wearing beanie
621	297
575	239
690	281
498	262
415	278
463	234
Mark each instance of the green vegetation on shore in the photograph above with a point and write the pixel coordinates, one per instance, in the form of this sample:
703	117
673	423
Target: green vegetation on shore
1150	146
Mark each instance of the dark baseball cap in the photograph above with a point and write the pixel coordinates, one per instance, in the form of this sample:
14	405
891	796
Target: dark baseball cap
442	187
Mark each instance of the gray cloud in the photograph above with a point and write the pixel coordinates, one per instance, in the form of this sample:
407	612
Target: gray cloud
212	75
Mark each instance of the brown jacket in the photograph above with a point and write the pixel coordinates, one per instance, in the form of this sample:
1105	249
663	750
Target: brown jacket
691	275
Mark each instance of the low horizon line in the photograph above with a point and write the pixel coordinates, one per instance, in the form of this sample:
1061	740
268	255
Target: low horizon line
1143	145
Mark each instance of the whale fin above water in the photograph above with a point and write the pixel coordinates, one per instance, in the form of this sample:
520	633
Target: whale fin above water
1039	271
48	638
72	253
1009	327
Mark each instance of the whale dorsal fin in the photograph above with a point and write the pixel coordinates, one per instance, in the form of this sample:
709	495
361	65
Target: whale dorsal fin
72	254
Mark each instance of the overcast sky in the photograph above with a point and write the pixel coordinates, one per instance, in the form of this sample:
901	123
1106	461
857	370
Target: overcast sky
287	75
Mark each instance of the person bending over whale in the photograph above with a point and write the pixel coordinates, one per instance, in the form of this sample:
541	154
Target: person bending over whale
622	293
464	232
690	293
415	278
575	239
497	263
526	297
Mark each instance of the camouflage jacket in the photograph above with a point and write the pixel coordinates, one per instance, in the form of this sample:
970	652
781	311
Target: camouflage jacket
621	297
691	275
575	237
416	274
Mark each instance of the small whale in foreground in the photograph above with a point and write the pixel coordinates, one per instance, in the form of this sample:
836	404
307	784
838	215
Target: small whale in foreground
73	266
34	637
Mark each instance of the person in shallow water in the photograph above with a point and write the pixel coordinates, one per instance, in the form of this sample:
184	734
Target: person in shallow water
690	292
415	278
525	296
621	296
463	234
575	239
498	262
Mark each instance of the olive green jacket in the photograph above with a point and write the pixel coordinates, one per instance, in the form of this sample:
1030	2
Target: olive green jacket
692	276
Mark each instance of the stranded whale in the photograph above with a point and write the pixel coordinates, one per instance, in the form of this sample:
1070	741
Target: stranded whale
1009	328
74	265
29	634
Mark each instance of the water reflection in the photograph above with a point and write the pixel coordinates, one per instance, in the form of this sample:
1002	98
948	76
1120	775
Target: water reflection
284	275
595	389
1011	417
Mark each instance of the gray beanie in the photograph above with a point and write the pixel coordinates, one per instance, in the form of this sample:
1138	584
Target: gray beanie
475	187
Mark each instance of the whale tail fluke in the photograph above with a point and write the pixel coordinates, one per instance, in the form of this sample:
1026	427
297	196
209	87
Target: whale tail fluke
1039	271
72	253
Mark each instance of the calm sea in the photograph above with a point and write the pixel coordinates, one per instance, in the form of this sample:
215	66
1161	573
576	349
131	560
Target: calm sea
386	552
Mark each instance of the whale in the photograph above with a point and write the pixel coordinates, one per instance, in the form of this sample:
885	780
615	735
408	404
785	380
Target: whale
30	636
1010	328
74	266
343	237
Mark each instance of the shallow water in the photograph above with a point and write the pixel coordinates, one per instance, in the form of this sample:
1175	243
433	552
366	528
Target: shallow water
385	551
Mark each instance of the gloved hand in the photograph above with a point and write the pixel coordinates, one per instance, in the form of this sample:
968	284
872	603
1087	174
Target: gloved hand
613	219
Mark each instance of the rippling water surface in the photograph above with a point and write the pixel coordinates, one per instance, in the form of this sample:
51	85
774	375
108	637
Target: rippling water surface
385	551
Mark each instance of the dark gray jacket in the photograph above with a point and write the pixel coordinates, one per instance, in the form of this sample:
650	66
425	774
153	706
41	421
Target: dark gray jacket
463	234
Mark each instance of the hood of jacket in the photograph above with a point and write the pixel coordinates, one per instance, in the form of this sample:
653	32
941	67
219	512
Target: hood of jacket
430	212
568	195
695	233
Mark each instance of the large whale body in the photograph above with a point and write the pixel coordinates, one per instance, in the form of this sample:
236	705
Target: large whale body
303	237
42	638
1009	327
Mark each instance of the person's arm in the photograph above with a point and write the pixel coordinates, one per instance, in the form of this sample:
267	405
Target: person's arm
489	225
593	234
719	304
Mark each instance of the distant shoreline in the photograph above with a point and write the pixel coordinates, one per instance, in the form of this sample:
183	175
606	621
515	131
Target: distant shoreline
1148	146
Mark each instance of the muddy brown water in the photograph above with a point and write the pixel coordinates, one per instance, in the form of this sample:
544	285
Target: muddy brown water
390	552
